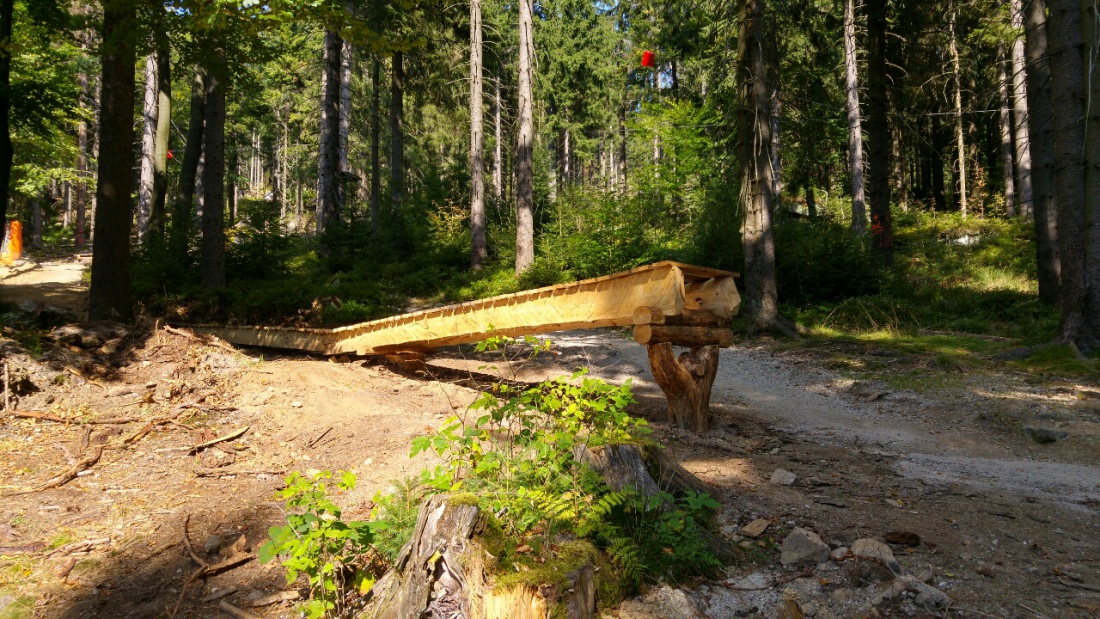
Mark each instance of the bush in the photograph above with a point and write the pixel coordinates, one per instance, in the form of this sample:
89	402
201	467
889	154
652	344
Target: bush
822	262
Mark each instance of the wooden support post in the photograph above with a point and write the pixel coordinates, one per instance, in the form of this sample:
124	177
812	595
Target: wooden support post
686	382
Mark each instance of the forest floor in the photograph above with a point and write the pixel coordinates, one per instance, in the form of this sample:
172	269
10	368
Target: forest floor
995	471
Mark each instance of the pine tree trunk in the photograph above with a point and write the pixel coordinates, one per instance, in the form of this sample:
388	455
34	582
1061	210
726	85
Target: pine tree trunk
761	301
1024	196
960	142
1041	134
1091	34
212	258
397	139
498	147
1068	95
181	212
164	130
477	144
7	154
148	147
855	132
1006	134
878	126
525	200
328	155
375	129
81	166
109	298
346	59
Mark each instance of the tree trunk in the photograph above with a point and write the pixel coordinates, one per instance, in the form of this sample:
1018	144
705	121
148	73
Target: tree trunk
1041	133
1006	134
525	199
7	10
148	147
757	199
328	155
960	142
181	213
34	236
1091	35
346	58
477	144
498	147
1068	96
1024	195
375	130
81	166
855	132
164	130
212	259
109	298
878	125
397	139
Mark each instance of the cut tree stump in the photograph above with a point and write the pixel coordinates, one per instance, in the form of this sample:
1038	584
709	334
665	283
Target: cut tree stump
442	571
686	382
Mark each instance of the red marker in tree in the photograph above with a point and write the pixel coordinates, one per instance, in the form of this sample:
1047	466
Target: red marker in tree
170	155
648	59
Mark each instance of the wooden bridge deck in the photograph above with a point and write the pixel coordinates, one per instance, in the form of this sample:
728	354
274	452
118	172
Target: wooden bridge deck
663	289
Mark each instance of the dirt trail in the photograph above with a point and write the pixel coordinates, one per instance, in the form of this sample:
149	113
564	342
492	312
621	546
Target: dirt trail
51	283
1008	527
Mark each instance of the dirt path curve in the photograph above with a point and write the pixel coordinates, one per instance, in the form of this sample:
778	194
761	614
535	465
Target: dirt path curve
50	283
928	441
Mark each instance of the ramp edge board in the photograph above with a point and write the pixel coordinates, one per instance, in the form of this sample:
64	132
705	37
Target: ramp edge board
604	301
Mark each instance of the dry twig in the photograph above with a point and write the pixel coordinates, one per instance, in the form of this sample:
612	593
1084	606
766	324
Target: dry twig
220	439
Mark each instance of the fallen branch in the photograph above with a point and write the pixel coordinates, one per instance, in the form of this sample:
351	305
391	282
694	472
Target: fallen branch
1078	585
239	613
29	548
66	567
78	547
274	598
220	439
68	475
227	472
218	595
79	374
117	421
139	434
180	332
187	544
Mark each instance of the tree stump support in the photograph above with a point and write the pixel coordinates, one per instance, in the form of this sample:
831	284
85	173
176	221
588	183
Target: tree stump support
686	382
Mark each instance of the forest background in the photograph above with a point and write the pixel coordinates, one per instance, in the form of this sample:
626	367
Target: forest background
366	157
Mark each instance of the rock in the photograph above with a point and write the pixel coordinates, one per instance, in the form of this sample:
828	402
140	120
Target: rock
783	477
296	404
213	543
840	554
755	528
874	550
985	570
889	592
927	595
802	547
1044	436
662	602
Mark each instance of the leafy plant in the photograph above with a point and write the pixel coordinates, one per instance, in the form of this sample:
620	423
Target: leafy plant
317	543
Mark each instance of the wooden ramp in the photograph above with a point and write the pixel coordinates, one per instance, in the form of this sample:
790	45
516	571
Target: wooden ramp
666	288
668	303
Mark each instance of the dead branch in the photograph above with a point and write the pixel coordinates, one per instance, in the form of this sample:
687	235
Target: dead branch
227	472
139	434
75	547
239	613
220	439
187	544
79	374
68	475
54	418
274	598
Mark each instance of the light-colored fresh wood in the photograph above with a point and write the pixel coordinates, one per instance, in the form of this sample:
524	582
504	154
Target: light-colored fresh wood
664	288
686	382
648	316
683	335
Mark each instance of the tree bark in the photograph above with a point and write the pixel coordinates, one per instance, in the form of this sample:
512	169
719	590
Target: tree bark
498	146
346	58
761	300
109	298
1024	195
212	259
525	199
148	146
328	155
1006	134
960	141
375	130
878	125
855	132
397	138
1091	34
1068	95
1041	132
477	144
7	14
164	130
180	232
81	166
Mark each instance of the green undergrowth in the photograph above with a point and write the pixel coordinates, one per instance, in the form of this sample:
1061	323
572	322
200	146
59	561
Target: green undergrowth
516	453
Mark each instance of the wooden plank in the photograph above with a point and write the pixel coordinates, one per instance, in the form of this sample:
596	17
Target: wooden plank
683	335
665	288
